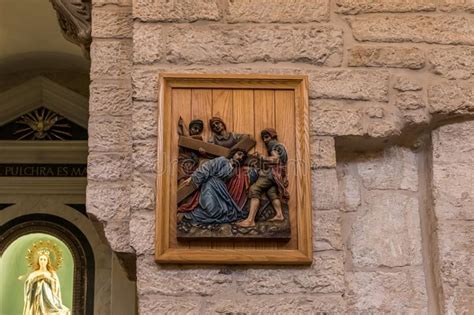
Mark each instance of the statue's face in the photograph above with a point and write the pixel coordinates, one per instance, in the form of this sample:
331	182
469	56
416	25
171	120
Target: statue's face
217	126
195	130
266	138
239	157
43	261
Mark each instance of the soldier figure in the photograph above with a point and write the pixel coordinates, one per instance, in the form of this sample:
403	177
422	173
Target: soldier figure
272	179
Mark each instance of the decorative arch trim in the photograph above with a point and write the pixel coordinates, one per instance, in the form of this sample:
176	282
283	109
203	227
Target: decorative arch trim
42	92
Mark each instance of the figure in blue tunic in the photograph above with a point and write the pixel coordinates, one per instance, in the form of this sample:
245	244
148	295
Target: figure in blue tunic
216	205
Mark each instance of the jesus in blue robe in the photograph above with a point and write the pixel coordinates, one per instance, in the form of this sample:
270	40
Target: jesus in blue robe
216	205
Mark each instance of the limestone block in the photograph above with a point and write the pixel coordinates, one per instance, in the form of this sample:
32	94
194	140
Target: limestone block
144	156
149	42
108	166
349	187
109	133
107	201
453	191
434	29
349	84
323	152
335	118
386	231
112	22
303	304
452	62
97	3
392	168
110	97
371	6
382	121
456	6
144	120
111	59
145	84
176	10
152	304
403	84
386	56
410	100
455	239
142	194
327	230
387	292
324	189
179	280
417	117
326	275
217	44
458	300
374	111
118	236
453	195
282	11
454	98
453	143
142	232
413	107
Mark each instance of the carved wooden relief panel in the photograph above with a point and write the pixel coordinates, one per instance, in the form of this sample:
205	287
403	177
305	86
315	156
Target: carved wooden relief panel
233	174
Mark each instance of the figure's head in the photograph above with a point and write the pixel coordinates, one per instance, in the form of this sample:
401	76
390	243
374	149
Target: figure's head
217	125
238	156
43	261
195	127
268	135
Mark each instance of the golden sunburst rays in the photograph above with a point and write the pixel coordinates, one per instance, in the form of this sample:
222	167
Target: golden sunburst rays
42	124
47	248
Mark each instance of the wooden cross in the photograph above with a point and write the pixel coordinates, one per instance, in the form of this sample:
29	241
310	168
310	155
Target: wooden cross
246	144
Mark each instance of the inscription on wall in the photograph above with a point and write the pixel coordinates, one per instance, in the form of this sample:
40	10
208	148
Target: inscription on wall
43	170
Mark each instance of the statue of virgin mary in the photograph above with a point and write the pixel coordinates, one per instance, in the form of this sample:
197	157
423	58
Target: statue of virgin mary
42	292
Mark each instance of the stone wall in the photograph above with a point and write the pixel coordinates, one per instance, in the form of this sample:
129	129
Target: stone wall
381	220
381	73
453	192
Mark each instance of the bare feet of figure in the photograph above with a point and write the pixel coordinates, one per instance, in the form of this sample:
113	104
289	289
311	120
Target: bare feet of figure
277	218
246	223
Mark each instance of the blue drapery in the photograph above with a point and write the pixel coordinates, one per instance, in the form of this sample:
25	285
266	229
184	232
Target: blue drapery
216	206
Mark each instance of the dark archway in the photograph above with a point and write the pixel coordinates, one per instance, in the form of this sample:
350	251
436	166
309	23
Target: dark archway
84	263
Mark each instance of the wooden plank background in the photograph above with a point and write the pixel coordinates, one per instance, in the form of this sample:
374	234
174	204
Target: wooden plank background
243	111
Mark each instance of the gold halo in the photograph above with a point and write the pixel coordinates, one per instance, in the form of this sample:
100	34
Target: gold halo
45	247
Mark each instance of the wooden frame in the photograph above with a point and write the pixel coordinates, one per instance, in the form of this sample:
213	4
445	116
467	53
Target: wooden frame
165	252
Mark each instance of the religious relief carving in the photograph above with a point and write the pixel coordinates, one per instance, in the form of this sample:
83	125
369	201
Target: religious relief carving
228	192
233	170
74	17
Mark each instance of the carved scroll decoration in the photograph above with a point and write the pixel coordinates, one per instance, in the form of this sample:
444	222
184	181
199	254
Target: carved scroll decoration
74	17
